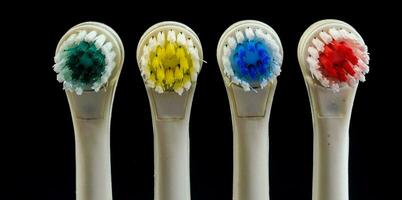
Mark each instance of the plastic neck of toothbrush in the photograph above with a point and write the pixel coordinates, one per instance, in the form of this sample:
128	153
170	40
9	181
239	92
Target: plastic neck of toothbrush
91	113
331	118
250	118
170	117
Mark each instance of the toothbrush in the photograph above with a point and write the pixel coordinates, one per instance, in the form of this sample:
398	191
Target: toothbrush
333	59
250	56
88	61
169	55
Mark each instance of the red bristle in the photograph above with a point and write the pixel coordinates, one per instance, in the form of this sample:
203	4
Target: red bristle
337	60
349	68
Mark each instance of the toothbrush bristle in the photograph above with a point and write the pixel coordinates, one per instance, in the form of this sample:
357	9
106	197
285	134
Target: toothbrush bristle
170	62
251	58
338	58
84	62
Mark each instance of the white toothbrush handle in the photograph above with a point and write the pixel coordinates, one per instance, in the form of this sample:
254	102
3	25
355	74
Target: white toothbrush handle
93	170
170	119
91	114
171	146
331	118
251	146
250	117
331	150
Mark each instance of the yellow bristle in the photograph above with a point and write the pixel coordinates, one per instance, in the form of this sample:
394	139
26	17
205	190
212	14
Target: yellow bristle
155	63
152	77
184	64
180	53
169	77
170	50
170	67
160	51
178	73
178	85
160	74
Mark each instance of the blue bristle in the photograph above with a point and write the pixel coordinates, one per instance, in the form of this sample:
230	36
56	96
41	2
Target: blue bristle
251	61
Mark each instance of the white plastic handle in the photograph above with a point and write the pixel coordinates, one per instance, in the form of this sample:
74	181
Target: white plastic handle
331	112
250	118
250	112
331	117
170	117
91	114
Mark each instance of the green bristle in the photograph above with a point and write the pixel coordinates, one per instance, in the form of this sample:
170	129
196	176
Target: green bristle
85	63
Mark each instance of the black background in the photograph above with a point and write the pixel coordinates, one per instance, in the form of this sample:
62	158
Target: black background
39	148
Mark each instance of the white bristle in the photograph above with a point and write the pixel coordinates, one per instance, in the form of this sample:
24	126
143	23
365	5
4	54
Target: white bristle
150	83
79	90
160	38
232	43
239	36
344	34
318	44
81	35
187	85
227	67
152	44
312	62
236	80
190	43
91	36
159	89
69	41
181	39
100	40
334	33
264	83
313	52
249	33
259	33
107	47
245	85
226	51
171	37
325	37
363	66
179	91
59	78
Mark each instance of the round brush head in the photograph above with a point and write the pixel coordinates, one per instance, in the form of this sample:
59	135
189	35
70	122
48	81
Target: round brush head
86	57
169	56
250	54
334	54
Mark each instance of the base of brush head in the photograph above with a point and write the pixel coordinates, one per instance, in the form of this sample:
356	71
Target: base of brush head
169	105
